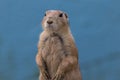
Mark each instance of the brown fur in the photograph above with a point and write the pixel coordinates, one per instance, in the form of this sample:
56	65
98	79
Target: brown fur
57	55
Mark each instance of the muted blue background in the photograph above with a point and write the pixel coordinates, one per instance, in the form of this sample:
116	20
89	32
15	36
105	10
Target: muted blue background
95	25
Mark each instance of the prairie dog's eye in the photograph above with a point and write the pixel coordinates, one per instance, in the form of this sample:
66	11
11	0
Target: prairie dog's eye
61	15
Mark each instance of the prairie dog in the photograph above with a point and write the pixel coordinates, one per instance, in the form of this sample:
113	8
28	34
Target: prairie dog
57	56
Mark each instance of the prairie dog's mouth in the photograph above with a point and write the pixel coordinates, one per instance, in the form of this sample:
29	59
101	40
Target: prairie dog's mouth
48	25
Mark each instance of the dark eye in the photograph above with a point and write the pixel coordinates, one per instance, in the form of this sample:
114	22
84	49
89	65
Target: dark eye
45	14
61	15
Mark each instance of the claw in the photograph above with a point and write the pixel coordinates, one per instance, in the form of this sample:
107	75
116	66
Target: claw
46	75
58	77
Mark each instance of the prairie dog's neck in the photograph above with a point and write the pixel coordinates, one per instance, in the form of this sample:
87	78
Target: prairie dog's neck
61	32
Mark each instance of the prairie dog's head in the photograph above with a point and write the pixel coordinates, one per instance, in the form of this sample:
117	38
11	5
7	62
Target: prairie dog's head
55	20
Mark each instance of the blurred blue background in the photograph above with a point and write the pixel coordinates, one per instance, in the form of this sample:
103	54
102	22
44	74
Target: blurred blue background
95	25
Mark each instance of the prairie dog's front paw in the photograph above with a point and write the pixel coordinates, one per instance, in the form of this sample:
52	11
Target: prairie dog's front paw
58	76
46	75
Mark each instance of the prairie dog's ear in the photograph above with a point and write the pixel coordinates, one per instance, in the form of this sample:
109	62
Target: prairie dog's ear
66	15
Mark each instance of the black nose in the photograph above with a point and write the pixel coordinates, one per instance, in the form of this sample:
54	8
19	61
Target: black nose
49	22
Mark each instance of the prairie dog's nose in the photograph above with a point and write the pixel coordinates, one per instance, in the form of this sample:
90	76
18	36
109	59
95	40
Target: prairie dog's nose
49	21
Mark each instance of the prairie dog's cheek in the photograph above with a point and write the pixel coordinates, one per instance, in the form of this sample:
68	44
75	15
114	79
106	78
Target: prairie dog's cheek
44	23
61	22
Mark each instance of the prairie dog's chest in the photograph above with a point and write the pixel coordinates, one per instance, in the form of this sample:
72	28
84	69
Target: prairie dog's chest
53	46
